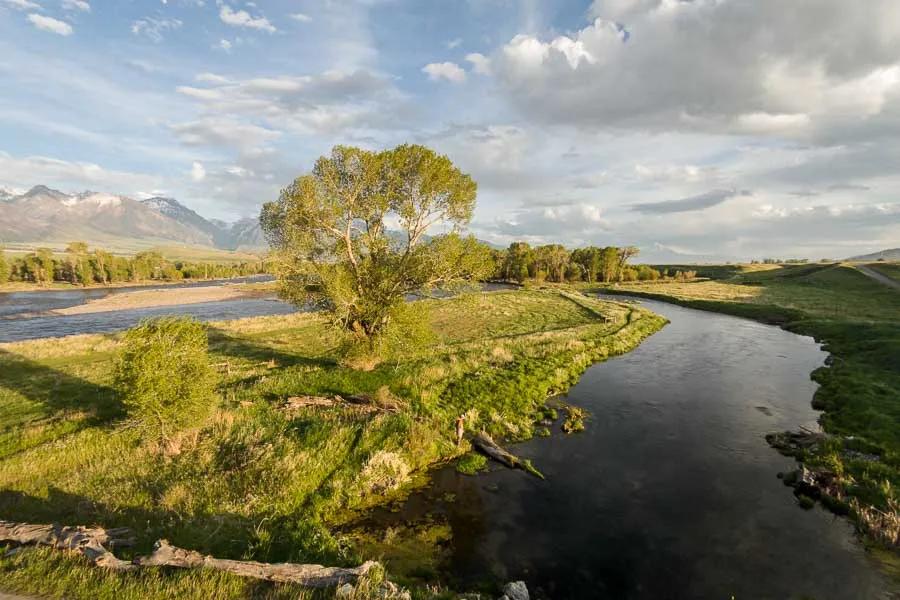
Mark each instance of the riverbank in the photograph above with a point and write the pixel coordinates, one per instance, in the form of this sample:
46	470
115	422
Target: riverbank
253	481
858	321
58	286
169	297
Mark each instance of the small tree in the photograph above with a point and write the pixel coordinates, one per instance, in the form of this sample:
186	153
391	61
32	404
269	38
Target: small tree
330	232
79	268
4	267
163	375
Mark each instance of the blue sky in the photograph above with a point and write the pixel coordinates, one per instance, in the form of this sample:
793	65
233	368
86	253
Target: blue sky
696	129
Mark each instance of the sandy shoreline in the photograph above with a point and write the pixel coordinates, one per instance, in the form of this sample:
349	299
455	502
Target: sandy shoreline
162	297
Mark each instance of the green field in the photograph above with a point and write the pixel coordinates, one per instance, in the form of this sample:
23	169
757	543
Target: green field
858	320
251	481
889	269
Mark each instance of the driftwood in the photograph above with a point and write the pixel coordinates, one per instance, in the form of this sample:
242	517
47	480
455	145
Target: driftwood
488	446
92	543
312	576
360	402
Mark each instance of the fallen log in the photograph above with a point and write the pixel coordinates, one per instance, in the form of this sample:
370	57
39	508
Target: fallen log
361	403
483	442
90	542
311	576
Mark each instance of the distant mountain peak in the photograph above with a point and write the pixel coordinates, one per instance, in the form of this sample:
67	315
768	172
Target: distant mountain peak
43	190
43	215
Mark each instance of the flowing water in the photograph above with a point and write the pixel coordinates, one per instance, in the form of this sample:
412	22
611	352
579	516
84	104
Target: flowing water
671	492
17	308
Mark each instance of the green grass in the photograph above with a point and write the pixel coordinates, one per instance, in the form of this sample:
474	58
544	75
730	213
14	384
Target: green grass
251	481
892	270
858	321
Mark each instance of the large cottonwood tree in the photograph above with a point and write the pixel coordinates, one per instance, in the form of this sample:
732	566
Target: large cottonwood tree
354	232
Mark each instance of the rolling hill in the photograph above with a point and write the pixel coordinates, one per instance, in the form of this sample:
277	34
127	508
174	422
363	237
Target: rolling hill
890	254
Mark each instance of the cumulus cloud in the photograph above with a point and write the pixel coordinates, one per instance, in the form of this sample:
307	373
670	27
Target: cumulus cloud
241	18
481	64
50	24
445	70
761	68
198	171
301	17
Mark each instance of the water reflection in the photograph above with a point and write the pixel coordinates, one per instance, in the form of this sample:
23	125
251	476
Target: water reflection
670	493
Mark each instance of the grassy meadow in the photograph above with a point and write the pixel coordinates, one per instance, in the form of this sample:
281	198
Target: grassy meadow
858	321
249	480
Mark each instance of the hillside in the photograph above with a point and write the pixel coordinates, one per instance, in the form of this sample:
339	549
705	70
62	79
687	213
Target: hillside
890	254
53	218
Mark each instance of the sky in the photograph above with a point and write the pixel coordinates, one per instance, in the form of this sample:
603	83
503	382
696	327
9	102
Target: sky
695	129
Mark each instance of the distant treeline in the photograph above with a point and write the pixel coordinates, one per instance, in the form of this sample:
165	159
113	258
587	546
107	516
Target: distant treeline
553	262
80	265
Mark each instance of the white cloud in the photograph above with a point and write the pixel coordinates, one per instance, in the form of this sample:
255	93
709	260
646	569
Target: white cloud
481	64
445	70
50	24
32	170
22	4
219	131
301	17
451	44
198	171
81	5
223	45
154	28
241	18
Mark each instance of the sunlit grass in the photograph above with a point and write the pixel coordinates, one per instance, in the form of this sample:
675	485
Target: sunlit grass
251	481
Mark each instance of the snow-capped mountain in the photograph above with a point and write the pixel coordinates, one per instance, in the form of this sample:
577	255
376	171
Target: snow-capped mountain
44	215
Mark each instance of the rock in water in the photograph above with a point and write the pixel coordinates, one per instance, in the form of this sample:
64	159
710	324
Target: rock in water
515	590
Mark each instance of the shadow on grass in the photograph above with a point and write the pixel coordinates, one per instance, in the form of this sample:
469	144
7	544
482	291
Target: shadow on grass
58	391
221	342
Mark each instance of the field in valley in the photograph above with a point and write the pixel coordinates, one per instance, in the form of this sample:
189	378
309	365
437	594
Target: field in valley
251	480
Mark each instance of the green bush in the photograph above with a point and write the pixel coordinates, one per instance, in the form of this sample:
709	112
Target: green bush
163	375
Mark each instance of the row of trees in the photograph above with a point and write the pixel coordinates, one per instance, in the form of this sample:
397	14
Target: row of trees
82	266
553	262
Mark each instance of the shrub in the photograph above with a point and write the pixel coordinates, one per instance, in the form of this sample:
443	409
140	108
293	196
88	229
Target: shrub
163	375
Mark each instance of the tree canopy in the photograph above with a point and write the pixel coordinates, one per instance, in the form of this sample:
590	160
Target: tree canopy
355	232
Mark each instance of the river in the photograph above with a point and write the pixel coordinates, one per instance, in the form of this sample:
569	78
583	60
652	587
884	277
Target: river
670	493
18	324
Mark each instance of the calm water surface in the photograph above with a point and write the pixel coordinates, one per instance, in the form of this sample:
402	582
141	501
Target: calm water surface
671	492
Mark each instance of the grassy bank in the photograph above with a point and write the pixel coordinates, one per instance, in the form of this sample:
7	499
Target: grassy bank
252	481
858	321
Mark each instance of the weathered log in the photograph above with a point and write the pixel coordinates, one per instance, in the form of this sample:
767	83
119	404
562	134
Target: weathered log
361	402
483	442
312	576
90	542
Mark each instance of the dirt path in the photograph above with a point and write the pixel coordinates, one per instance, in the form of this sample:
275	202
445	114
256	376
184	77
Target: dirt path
869	272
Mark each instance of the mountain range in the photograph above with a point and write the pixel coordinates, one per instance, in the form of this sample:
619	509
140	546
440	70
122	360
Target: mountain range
50	217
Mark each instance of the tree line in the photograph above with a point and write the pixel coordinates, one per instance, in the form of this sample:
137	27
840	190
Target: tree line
553	262
80	265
